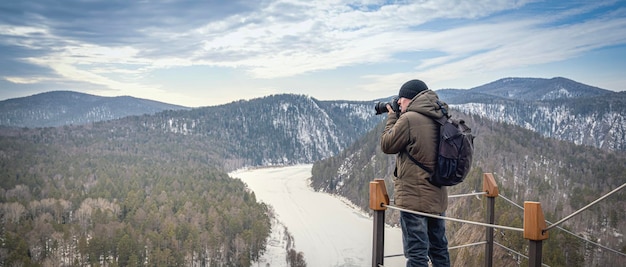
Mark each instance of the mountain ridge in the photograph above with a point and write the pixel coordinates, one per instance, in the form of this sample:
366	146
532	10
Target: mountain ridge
57	108
297	128
526	89
558	107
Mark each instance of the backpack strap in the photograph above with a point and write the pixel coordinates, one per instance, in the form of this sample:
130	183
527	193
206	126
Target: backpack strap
429	171
441	121
443	109
445	117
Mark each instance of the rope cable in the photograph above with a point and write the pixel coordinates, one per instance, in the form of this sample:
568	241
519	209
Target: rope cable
519	254
468	194
468	245
567	231
449	248
511	250
584	208
454	219
510	201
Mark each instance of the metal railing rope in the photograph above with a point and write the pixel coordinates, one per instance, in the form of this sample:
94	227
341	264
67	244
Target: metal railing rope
515	252
468	245
511	202
449	248
584	208
454	219
468	194
567	231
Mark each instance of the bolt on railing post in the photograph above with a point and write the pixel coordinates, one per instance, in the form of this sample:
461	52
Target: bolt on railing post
534	223
491	189
378	200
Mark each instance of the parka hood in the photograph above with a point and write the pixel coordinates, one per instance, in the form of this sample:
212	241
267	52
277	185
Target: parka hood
426	103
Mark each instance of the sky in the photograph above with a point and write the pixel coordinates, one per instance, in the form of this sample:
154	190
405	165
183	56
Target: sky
208	52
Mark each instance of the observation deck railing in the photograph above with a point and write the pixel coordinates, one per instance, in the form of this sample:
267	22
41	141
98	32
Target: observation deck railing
535	229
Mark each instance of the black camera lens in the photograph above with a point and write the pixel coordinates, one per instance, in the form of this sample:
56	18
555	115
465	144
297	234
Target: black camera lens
381	107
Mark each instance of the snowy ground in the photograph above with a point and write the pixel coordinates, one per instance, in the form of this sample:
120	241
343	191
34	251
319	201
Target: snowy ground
327	229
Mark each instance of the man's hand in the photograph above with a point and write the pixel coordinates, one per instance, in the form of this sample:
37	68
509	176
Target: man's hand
389	109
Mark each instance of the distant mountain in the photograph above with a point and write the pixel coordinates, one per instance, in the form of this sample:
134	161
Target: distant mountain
557	107
59	108
525	89
273	130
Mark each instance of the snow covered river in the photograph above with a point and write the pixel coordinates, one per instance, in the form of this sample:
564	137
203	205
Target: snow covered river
327	229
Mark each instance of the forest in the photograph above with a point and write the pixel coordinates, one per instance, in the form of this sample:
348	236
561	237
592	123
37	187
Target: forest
91	196
152	190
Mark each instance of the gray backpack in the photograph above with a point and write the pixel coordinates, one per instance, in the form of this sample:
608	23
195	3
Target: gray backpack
456	147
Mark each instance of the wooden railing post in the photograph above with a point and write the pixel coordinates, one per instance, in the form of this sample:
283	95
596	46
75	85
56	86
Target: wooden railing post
534	223
491	189
378	198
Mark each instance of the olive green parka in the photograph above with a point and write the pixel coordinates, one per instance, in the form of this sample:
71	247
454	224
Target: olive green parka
416	132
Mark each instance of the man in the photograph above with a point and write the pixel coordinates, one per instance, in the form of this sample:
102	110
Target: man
414	131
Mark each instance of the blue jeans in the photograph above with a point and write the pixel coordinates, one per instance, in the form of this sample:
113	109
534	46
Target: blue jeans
424	237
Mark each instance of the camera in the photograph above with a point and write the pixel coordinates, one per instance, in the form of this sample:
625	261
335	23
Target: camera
381	107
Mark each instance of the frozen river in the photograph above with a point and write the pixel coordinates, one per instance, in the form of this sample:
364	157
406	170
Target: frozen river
326	228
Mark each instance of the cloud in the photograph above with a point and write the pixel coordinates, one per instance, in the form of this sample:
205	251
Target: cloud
501	43
285	39
117	45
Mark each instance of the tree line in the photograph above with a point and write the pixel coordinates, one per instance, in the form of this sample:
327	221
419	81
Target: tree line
91	196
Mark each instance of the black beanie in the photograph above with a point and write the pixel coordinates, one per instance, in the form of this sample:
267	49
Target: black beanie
411	88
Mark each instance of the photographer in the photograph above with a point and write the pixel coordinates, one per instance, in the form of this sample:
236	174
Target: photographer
411	129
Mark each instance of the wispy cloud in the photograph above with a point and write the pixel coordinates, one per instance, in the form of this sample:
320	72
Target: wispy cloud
117	45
